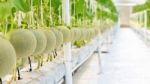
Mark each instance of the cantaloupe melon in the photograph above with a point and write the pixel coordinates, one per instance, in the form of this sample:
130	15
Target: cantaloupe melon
82	34
23	41
51	41
92	33
72	35
7	57
76	34
59	37
97	31
41	41
89	34
85	34
66	34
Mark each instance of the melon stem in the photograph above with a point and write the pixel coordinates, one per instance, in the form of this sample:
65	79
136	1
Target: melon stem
38	65
1	81
19	77
30	64
41	61
55	53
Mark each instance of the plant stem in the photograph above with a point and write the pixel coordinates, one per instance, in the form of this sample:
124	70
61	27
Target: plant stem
19	77
1	82
41	12
5	30
30	64
50	10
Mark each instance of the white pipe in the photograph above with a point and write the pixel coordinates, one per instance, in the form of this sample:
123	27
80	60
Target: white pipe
67	46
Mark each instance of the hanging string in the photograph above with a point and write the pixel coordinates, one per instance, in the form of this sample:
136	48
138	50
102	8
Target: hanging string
31	17
59	16
74	10
19	19
5	27
50	10
41	12
1	82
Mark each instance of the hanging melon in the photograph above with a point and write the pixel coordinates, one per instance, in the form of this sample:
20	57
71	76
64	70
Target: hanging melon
59	37
24	42
7	57
97	31
92	33
51	41
83	34
72	35
78	34
66	34
41	41
88	37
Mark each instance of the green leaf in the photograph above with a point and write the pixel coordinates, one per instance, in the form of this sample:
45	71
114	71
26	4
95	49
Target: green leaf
5	10
21	5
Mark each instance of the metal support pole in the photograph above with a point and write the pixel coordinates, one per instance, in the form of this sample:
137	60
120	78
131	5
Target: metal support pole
67	46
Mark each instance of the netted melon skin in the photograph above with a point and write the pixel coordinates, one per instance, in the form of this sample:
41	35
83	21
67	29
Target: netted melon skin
92	33
66	34
41	41
84	34
7	57
88	37
51	41
77	34
72	32
24	42
59	37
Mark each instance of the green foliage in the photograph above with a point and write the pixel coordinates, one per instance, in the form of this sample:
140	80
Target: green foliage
139	8
108	4
102	14
142	7
148	19
21	5
79	44
80	9
5	10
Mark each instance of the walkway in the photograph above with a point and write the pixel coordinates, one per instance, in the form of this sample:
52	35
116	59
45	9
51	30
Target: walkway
128	62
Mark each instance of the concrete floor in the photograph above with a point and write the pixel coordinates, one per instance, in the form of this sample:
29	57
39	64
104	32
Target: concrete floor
128	62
